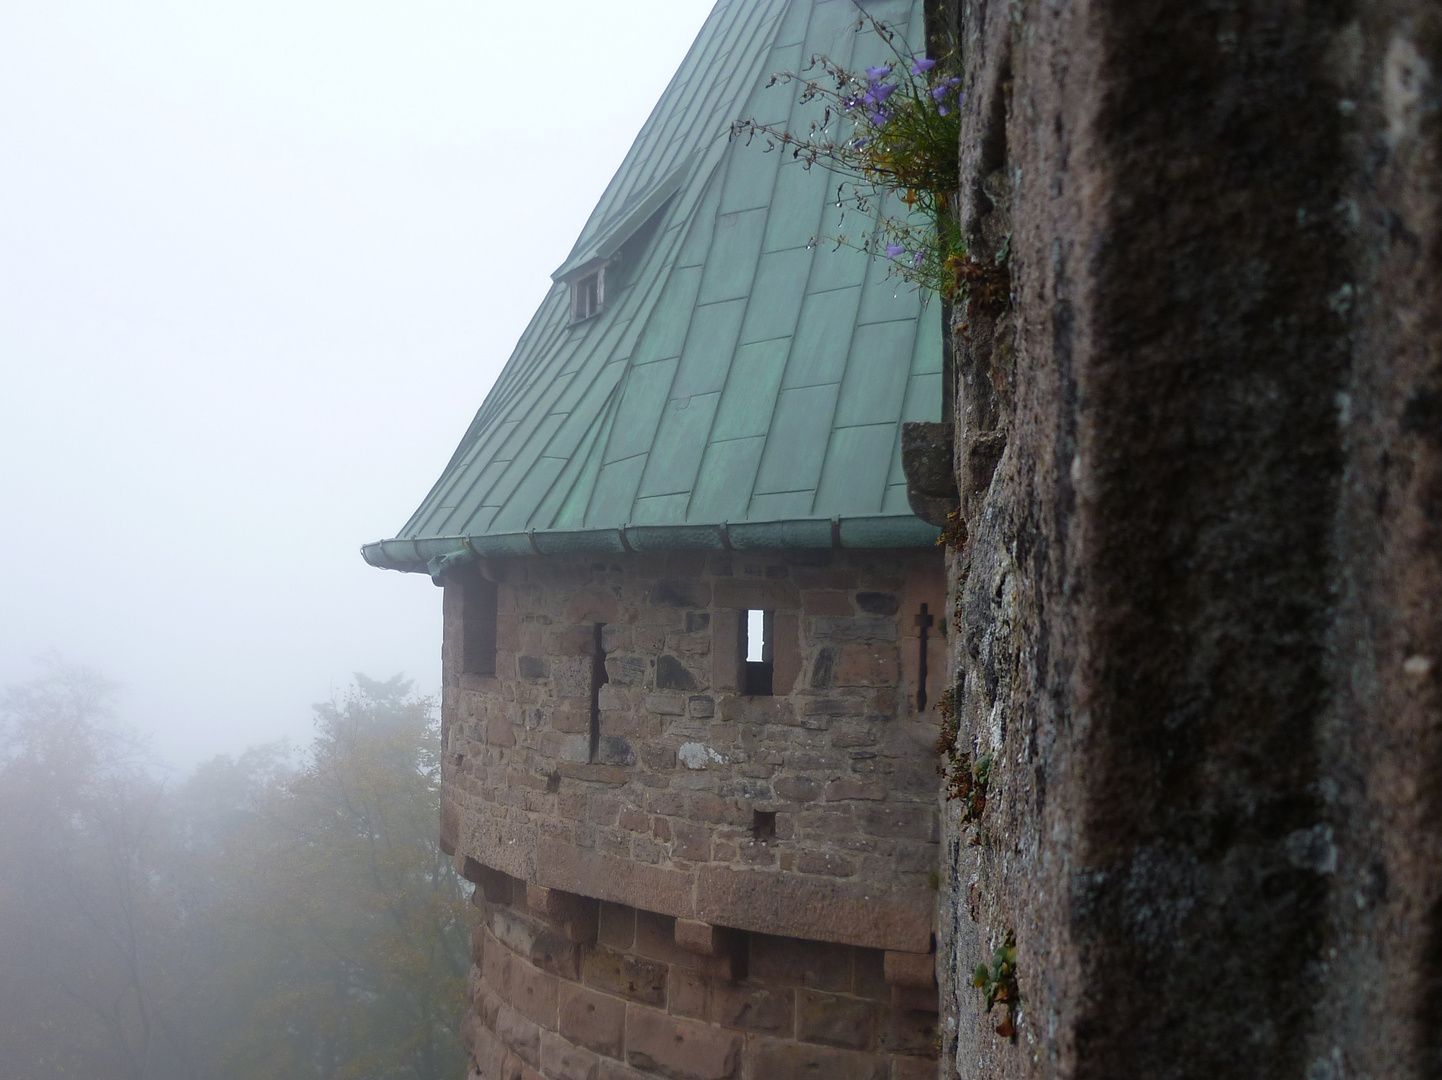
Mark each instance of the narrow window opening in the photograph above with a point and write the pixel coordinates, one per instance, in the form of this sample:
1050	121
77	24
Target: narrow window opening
763	825
599	678
478	628
759	630
924	622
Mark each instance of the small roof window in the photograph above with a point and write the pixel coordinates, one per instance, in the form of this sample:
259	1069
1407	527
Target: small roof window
588	295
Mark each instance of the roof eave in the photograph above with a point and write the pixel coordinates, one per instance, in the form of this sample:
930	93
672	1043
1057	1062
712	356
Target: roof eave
436	555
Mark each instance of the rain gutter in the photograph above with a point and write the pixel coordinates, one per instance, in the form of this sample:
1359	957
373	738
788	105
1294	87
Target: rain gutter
437	555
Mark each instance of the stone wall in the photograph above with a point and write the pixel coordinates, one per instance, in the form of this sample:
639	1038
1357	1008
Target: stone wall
678	875
1200	595
567	988
663	813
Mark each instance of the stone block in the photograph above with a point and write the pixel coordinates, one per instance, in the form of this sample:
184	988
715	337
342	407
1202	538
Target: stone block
562	1060
665	704
623	975
868	665
534	993
689	994
786	663
492	884
727	652
591	606
487	1005
626	670
910	969
540	944
825	862
768	594
496	968
751	1007
770	1057
596	774
572	914
915	821
571	676
797	789
519	1034
593	1020
914	999
878	603
613	750
571	718
835	1020
700	937
845	788
614	1070
690	840
864	630
680	1049
835	602
908	1031
823	667
913	1068
672	674
681	594
533	668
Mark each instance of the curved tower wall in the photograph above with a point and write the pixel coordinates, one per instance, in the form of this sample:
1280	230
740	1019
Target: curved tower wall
679	875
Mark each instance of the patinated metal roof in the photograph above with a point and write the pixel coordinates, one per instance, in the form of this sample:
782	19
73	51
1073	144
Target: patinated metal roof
741	385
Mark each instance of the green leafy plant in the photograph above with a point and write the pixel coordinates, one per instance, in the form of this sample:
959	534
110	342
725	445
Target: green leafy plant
998	983
892	130
966	779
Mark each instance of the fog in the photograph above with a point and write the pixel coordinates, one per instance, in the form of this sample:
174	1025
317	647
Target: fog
260	261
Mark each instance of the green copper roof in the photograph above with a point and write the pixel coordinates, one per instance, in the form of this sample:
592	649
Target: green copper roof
739	385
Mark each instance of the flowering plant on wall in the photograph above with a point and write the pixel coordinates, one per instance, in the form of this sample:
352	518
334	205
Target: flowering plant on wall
892	133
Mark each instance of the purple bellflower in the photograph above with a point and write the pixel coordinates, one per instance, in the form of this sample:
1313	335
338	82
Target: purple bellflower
876	74
922	65
893	250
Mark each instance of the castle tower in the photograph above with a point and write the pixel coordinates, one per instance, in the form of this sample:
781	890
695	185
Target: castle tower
692	639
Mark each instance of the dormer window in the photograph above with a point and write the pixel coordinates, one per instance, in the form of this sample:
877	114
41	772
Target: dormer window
588	293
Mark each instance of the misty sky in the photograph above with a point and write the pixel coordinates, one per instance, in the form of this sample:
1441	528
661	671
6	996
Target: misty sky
260	261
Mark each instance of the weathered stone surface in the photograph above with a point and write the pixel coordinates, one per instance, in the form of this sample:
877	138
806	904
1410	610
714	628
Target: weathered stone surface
910	969
623	975
1199	465
773	1057
699	937
926	459
680	1049
633	817
835	1020
560	1060
593	1020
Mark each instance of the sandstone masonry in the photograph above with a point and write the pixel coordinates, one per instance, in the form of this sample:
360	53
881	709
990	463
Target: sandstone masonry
679	877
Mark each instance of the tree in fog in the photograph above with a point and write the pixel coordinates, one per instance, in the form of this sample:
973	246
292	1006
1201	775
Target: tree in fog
262	920
86	927
356	921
